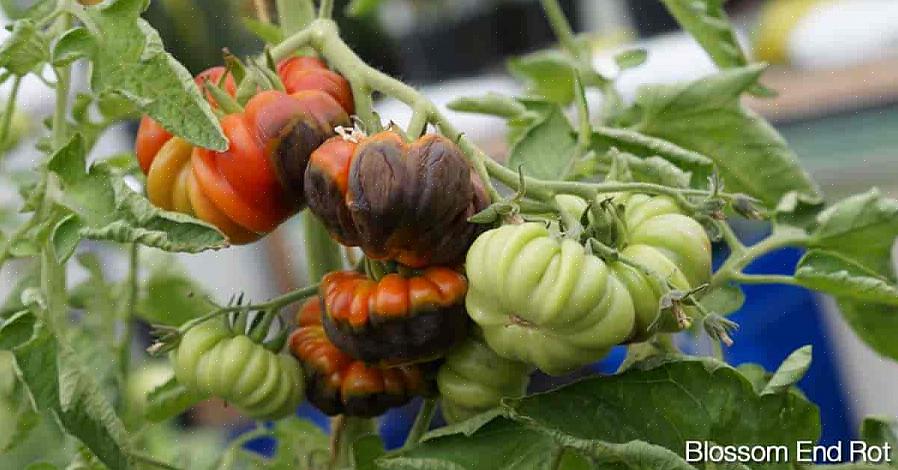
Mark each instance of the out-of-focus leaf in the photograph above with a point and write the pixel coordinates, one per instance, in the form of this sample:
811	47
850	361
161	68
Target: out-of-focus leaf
548	75
24	49
631	58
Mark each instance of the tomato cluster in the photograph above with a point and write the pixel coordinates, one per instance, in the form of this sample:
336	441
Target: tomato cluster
548	302
375	339
257	183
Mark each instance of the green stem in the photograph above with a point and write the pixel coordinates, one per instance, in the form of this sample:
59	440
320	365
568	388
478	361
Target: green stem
322	254
59	124
294	15
561	27
345	431
326	9
151	461
53	285
125	316
764	279
731	270
6	119
272	304
422	422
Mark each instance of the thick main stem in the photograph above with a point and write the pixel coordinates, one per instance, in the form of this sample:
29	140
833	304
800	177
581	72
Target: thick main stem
126	315
6	119
322	254
561	27
422	422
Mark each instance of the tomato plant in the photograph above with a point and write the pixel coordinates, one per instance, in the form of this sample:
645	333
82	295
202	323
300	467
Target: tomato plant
595	231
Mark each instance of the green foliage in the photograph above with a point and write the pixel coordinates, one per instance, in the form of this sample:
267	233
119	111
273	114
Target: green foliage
636	419
706	116
789	372
24	50
545	147
631	58
56	383
129	60
169	296
548	74
106	209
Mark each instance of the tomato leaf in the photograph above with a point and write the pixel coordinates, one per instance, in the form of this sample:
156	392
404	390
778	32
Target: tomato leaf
169	296
358	8
107	209
74	44
631	58
169	400
299	443
879	430
723	300
605	138
24	49
666	401
56	383
830	272
548	75
547	147
647	170
705	116
861	228
707	22
500	444
365	451
796	214
129	60
876	324
790	371
493	104
267	32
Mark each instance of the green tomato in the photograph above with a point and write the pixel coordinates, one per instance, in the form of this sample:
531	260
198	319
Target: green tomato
545	301
212	361
549	303
474	378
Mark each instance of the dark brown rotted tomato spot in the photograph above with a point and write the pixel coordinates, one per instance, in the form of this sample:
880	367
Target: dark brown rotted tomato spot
397	201
411	202
338	384
395	320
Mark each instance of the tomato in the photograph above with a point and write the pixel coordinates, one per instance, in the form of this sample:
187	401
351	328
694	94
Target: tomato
338	384
212	360
473	378
249	189
311	73
549	303
397	201
395	320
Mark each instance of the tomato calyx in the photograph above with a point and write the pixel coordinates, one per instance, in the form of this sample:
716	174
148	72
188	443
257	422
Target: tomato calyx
265	328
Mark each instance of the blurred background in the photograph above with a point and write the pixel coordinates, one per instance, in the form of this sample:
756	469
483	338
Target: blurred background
834	64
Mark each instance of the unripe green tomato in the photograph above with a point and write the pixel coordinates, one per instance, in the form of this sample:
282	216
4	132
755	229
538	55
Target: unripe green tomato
474	378
545	301
212	361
